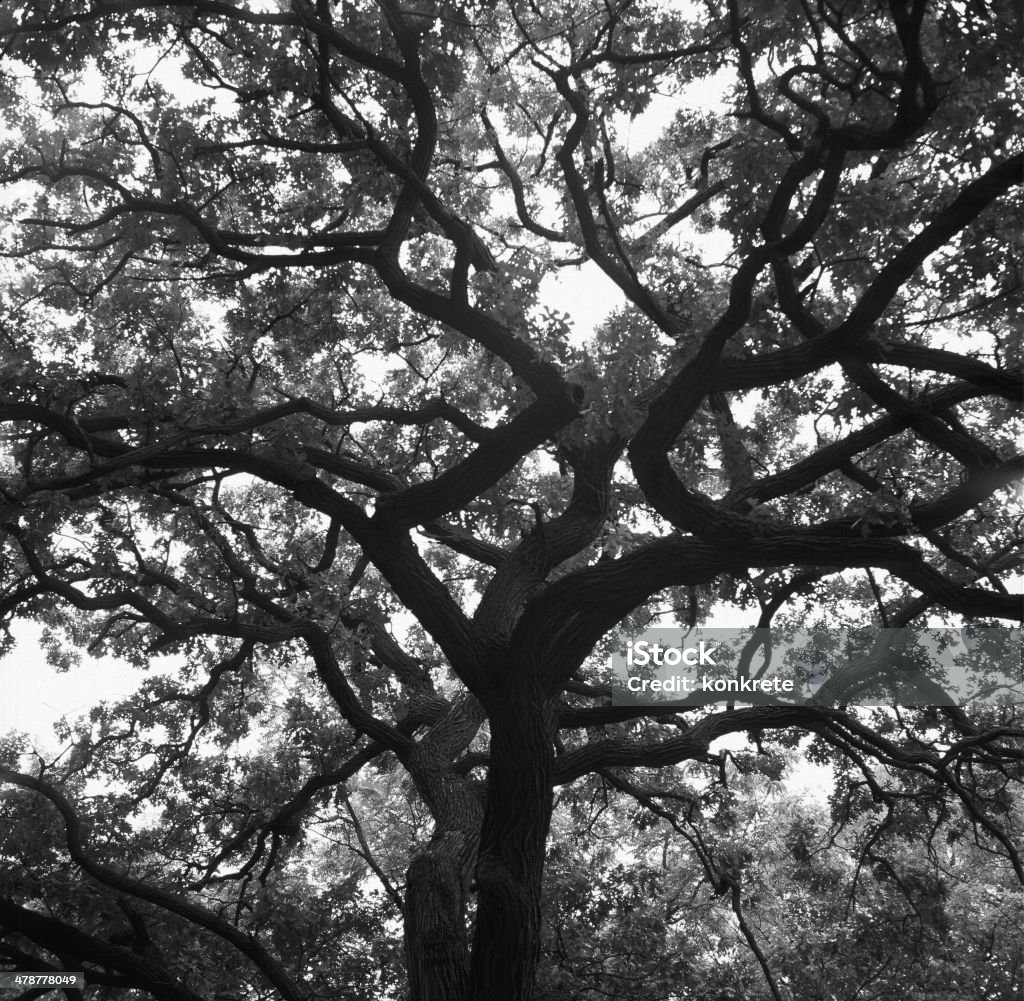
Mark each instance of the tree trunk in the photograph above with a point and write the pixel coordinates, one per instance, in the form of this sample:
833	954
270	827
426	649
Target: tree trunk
511	864
436	946
437	884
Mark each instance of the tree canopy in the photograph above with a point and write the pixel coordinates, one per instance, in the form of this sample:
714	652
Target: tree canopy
296	418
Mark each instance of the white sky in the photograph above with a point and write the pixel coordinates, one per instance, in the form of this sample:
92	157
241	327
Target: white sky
34	695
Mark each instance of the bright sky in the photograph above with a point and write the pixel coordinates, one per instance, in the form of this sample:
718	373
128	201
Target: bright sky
34	695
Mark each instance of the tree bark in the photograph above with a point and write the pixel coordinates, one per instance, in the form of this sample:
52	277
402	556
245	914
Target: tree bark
514	837
438	879
436	945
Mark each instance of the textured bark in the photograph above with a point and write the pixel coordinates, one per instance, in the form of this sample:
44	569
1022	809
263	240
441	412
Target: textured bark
436	946
511	866
439	878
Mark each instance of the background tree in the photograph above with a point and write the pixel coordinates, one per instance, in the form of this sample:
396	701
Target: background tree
285	396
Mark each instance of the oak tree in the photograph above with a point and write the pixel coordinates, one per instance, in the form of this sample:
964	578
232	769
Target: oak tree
294	412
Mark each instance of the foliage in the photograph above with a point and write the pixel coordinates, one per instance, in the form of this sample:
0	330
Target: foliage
840	906
289	405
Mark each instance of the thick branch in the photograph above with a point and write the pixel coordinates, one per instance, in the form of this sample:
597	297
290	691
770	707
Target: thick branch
59	937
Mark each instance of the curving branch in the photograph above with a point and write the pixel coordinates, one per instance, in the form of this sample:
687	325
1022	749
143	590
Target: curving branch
190	911
59	937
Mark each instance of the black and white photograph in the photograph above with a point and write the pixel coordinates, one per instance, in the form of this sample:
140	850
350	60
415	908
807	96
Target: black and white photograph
512	500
